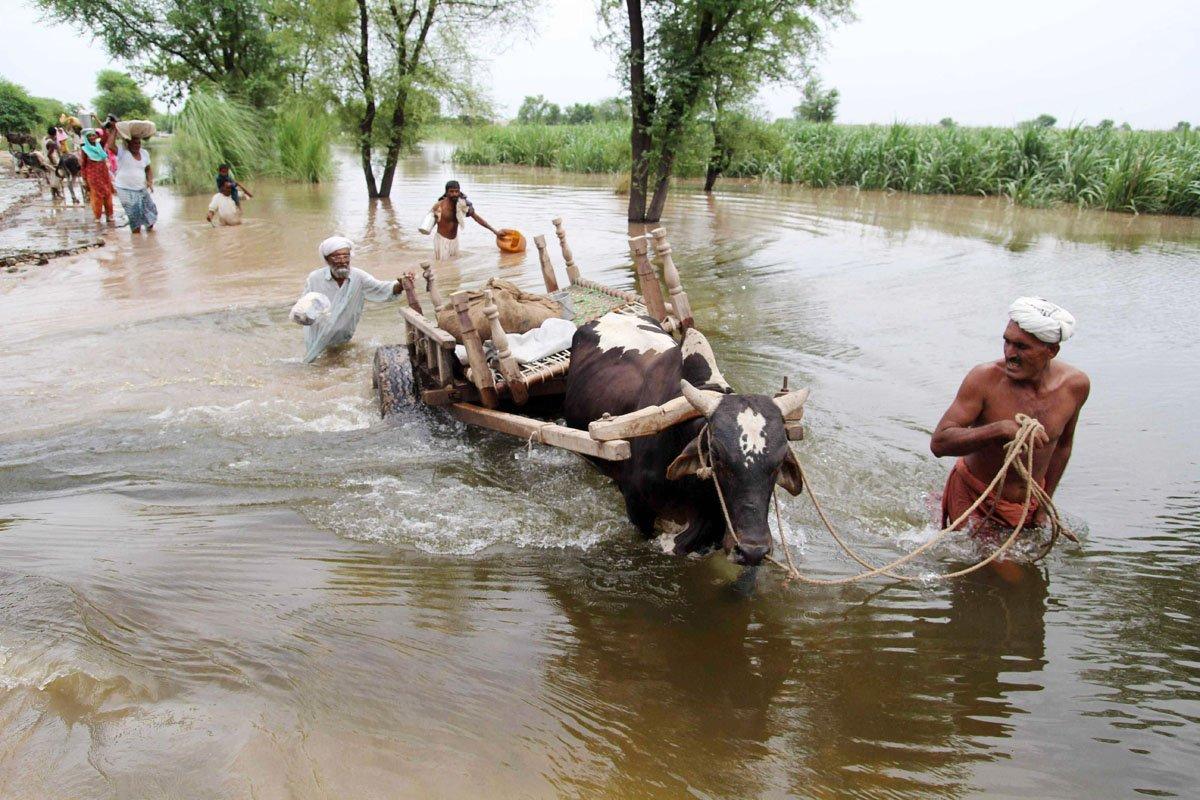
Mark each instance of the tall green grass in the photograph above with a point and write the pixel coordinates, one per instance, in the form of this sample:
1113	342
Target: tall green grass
1132	171
293	144
211	131
303	135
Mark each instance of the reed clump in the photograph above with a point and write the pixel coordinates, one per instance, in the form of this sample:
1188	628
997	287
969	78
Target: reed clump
293	143
1092	167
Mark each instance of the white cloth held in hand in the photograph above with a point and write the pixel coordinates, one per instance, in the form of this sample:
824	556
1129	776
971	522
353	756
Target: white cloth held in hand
310	308
1049	322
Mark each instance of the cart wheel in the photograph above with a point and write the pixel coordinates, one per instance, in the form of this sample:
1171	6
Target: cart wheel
392	379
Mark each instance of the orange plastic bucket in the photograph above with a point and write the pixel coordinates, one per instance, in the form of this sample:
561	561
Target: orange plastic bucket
510	241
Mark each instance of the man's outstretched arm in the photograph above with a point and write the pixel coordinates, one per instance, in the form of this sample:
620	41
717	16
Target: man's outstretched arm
475	216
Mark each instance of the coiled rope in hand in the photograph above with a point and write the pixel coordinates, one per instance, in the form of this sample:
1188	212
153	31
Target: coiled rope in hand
1018	455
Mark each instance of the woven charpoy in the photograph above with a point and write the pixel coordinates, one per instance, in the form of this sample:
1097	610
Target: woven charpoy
589	304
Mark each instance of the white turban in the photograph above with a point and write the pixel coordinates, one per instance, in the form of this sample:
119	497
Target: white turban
1051	323
333	244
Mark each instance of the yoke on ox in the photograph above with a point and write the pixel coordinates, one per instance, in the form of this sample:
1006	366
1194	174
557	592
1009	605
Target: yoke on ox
638	386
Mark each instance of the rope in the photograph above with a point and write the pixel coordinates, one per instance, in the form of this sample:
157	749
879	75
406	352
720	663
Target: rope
1018	453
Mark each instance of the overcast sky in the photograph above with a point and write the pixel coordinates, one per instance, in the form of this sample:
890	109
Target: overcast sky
911	60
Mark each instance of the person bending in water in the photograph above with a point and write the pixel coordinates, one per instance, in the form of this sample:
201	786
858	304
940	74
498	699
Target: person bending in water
222	205
451	211
980	421
346	289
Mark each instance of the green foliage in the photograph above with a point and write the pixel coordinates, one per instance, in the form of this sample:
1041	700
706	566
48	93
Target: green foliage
49	110
818	104
1183	126
210	131
1142	171
120	94
679	54
947	122
18	114
538	111
302	137
1042	121
188	43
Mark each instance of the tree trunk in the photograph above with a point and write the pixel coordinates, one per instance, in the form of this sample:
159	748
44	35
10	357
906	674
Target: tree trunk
662	182
639	132
399	120
716	158
711	174
367	124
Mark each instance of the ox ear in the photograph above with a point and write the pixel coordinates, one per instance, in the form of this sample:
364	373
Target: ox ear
789	474
687	462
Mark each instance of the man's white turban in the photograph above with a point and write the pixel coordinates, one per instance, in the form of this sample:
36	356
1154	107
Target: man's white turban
1051	323
333	244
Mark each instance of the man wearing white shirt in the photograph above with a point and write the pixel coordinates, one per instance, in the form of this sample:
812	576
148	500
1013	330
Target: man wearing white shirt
346	289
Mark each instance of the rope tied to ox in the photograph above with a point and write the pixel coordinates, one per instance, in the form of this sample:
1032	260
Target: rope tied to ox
1018	455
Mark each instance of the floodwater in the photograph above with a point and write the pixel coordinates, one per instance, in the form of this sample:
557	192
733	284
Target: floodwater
222	576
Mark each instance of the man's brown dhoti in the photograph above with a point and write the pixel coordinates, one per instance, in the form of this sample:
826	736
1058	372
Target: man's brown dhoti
963	489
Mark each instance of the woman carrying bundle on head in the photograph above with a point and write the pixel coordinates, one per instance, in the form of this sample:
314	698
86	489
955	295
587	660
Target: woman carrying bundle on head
94	166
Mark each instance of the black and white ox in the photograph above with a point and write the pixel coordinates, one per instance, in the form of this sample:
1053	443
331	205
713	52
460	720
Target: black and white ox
621	363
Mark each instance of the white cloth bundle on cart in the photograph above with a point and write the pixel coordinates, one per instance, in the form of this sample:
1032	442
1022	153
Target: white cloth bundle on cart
553	335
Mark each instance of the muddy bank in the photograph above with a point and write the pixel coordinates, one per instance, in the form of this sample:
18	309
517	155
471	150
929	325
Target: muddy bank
33	228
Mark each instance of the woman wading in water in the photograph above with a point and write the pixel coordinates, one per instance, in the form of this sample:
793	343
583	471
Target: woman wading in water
135	182
96	177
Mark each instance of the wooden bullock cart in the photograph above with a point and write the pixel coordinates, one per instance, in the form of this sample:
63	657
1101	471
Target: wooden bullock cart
492	390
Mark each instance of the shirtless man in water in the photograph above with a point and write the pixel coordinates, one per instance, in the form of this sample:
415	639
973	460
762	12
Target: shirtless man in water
451	210
1028	380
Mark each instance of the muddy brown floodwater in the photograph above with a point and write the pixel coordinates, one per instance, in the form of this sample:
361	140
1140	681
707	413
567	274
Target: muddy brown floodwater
222	576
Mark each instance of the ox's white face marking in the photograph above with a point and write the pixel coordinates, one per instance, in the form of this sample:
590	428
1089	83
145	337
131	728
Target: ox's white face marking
752	441
694	343
622	332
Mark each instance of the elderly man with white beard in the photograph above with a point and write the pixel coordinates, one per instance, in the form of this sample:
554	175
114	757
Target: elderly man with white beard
1028	380
334	298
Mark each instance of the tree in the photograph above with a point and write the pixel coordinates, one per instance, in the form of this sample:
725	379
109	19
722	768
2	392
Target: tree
396	58
1183	126
538	111
947	122
18	114
674	50
735	127
1043	121
1105	125
187	42
818	105
579	114
614	109
120	95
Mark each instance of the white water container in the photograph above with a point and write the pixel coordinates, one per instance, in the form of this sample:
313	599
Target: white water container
427	225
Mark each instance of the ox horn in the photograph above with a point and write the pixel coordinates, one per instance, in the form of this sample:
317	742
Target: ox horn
791	402
703	400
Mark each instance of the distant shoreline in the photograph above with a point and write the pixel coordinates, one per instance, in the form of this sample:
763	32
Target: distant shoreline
1139	172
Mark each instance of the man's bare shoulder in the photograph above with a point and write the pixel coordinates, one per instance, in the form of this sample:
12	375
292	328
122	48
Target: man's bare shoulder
1074	380
985	376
